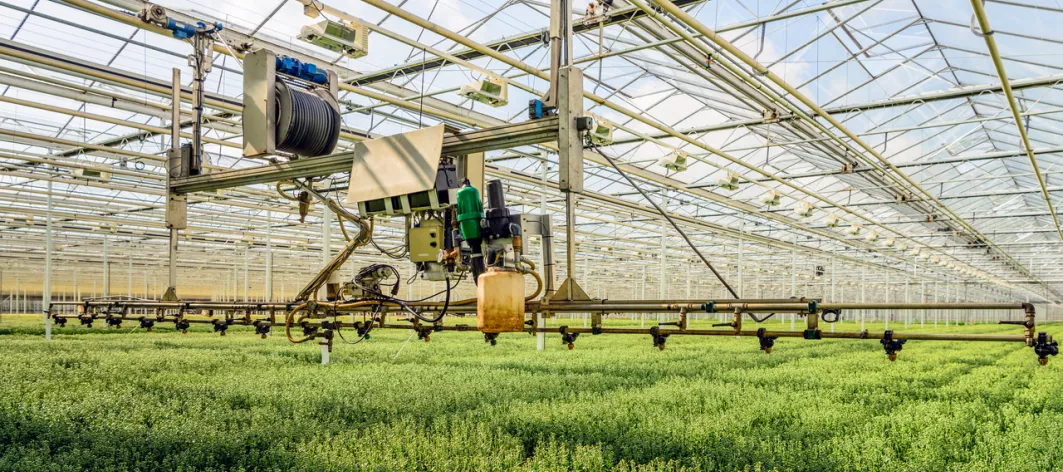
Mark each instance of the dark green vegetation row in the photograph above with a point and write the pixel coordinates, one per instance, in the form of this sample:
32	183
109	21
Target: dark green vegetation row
108	400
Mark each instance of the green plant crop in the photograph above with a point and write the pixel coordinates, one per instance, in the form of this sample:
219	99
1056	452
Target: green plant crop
112	400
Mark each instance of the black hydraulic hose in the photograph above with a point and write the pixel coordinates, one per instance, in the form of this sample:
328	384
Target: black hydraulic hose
760	320
665	215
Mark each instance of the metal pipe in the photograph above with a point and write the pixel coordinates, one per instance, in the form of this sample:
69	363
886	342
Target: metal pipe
570	242
46	298
866	335
1002	74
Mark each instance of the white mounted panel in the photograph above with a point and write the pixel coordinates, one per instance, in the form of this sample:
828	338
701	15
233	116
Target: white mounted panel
395	165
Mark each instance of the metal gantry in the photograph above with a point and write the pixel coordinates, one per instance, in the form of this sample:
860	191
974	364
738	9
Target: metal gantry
890	115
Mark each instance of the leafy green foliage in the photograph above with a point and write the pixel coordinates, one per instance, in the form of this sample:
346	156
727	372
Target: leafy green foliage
112	401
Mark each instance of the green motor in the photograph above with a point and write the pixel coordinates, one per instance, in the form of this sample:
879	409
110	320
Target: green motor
470	212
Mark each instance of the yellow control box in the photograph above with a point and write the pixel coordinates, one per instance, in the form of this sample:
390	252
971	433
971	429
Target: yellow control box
426	241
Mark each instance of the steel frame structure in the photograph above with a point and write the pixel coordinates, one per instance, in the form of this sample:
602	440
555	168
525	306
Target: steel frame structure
88	113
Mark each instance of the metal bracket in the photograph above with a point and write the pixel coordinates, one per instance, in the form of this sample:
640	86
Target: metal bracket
570	291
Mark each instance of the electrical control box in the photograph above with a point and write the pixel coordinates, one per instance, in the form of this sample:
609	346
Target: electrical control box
426	240
348	38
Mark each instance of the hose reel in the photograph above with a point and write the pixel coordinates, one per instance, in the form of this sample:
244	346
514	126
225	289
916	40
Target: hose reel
308	121
289	107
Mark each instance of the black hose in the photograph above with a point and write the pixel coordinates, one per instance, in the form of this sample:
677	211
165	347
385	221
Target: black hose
831	316
760	320
307	125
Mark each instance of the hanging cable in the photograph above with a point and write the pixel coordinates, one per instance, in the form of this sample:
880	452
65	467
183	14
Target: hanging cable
665	215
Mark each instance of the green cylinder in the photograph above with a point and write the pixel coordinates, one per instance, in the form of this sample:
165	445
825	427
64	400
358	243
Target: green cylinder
470	212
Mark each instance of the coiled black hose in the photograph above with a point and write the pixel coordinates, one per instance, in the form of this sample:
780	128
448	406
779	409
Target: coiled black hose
307	125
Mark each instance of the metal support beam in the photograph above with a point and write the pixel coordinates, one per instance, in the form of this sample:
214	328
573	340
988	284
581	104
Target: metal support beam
991	44
501	137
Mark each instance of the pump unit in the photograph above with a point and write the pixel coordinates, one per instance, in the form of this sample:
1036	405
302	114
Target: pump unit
803	209
601	132
915	252
871	237
770	198
889	242
350	39
92	174
493	91
289	107
853	230
729	181
676	161
831	220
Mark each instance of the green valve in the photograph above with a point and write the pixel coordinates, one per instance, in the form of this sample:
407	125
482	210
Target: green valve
812	306
709	307
470	211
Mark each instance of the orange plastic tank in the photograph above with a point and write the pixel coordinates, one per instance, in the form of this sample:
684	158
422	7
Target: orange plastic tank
500	301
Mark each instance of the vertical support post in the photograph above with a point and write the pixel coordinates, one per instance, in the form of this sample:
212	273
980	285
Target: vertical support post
547	239
793	287
662	284
106	267
569	92
269	256
326	245
129	270
46	298
907	299
889	296
176	205
922	294
937	313
863	297
247	261
741	267
833	286
643	296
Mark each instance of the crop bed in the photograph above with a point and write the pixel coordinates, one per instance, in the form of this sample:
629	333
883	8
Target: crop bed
104	399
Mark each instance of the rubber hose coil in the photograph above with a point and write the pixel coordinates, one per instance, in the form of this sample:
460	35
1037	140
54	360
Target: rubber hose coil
307	124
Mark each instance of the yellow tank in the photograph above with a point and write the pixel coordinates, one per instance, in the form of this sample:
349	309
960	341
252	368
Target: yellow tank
500	301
